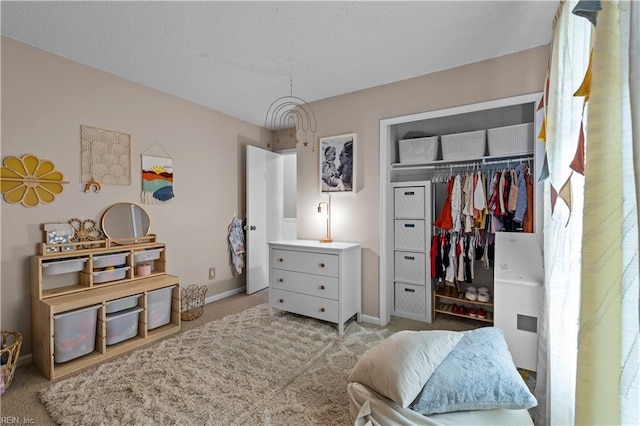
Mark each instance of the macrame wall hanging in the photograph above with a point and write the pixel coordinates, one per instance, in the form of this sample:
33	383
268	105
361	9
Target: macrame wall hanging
106	158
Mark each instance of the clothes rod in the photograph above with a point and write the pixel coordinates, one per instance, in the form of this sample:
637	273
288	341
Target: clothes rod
483	162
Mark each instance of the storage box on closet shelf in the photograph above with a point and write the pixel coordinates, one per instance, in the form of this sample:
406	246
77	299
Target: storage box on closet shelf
509	140
418	150
463	146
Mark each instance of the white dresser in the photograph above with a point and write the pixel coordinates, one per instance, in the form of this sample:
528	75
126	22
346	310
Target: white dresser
318	280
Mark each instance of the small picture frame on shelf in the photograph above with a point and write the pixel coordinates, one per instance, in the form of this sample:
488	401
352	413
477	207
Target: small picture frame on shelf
58	233
338	163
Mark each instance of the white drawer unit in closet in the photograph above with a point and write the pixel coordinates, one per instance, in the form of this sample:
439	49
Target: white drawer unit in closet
412	272
318	280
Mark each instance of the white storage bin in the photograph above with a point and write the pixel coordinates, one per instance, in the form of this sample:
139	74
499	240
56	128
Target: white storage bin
410	235
464	146
109	260
418	150
122	325
110	275
63	266
518	279
517	139
147	255
409	201
122	304
159	307
74	333
410	299
410	267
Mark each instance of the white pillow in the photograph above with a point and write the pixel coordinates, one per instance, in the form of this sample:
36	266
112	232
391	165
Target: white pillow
399	366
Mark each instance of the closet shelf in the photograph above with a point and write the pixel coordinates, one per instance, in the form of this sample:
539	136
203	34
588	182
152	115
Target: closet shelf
523	156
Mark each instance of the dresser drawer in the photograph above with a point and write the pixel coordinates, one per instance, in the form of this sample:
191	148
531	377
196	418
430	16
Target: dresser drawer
307	262
303	304
314	285
409	201
410	267
410	299
410	234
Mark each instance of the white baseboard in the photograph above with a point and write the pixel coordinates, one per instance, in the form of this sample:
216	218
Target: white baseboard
224	295
24	359
370	319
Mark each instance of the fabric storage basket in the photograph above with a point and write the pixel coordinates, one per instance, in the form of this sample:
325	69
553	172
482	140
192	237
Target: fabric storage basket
122	325
517	139
159	307
418	150
410	267
464	146
410	299
74	333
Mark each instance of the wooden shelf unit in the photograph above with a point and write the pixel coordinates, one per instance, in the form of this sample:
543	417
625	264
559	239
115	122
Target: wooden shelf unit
462	301
82	292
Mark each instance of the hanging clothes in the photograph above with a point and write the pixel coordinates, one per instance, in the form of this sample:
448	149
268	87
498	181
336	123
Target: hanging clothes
521	207
444	220
236	243
436	259
527	223
456	204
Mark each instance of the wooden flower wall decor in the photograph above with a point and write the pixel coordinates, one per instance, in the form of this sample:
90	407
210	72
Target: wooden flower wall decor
29	180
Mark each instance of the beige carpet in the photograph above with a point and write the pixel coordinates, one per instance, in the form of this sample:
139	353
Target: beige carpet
246	368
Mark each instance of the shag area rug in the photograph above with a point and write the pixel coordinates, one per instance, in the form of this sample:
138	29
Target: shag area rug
246	368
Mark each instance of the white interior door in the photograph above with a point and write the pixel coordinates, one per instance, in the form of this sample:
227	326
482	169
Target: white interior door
264	212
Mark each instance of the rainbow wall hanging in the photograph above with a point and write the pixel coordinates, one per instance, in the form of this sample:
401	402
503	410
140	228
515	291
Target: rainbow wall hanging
157	180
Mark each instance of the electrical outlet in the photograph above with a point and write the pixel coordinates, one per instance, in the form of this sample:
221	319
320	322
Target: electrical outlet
212	273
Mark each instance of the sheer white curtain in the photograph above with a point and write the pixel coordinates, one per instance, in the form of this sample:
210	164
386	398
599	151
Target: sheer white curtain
588	361
563	223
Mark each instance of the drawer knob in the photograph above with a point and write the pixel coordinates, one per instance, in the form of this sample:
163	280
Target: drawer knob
281	300
322	265
281	280
321	309
321	287
281	260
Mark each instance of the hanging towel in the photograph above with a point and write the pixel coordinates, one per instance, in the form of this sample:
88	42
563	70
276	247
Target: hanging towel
236	242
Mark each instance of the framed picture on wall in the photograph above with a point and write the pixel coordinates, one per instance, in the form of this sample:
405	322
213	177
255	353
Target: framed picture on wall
338	163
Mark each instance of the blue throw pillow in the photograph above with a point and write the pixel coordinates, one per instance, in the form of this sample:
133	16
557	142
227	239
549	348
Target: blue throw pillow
478	374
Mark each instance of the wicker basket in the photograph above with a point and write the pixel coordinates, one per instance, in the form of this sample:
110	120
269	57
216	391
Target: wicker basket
9	353
463	146
508	140
192	301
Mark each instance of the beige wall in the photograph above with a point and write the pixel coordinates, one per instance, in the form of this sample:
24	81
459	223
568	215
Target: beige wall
45	99
356	217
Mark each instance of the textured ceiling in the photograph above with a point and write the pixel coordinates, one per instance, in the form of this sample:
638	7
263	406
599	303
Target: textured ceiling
238	57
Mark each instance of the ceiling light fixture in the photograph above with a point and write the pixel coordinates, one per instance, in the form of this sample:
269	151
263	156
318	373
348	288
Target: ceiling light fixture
292	111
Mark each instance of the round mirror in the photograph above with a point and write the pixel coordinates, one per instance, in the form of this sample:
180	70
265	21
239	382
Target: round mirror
125	220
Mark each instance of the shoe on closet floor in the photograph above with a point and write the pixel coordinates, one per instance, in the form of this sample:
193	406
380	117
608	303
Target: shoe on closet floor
483	295
471	293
